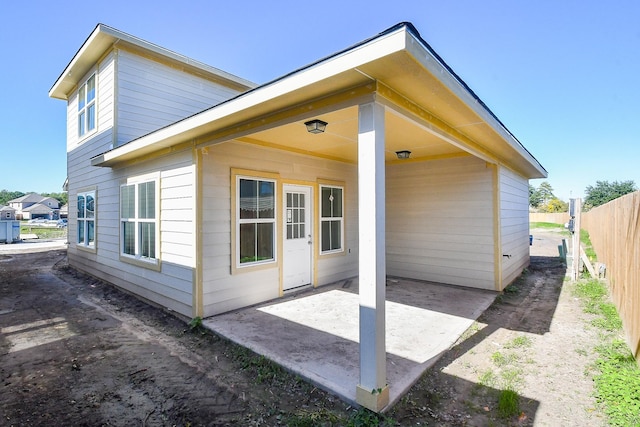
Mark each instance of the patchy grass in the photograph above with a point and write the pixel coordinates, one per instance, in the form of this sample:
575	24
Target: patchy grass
588	247
44	232
617	375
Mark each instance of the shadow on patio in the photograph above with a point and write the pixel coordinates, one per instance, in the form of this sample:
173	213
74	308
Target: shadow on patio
314	333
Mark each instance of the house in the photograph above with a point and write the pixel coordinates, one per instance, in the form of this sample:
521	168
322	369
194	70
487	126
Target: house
32	205
204	193
7	213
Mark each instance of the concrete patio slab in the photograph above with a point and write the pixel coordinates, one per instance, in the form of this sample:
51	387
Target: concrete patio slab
314	333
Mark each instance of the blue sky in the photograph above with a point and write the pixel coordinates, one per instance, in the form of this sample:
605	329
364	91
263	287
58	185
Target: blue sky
561	75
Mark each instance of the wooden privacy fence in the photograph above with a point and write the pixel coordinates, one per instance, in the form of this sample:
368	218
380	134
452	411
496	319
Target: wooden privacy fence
614	229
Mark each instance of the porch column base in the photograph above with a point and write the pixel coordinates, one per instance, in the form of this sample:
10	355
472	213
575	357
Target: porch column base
373	400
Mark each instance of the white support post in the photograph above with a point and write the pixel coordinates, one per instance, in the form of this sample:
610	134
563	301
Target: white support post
372	392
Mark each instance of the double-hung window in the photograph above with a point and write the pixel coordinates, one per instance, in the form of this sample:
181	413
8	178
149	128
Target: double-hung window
86	218
87	106
331	219
256	220
139	220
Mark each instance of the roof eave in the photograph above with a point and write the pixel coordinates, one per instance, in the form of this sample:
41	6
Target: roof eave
103	37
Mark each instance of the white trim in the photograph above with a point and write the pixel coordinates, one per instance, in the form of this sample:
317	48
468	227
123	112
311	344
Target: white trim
325	219
85	109
238	221
137	257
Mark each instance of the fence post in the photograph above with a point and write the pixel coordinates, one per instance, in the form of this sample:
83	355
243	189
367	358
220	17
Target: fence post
575	212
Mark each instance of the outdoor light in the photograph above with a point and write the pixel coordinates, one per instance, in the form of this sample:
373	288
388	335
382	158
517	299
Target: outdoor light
315	126
404	154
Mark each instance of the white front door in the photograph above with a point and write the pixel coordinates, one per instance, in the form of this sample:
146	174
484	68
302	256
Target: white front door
298	241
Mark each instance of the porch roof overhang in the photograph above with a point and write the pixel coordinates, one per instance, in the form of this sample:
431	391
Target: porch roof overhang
429	110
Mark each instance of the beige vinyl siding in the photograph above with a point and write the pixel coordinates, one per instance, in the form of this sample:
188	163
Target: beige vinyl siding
104	102
152	95
440	222
224	291
514	224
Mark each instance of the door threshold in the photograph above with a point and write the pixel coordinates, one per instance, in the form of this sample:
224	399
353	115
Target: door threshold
298	288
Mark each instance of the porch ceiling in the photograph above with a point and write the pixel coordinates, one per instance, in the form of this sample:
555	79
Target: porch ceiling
339	141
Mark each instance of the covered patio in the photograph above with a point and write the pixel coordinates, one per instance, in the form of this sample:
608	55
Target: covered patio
315	333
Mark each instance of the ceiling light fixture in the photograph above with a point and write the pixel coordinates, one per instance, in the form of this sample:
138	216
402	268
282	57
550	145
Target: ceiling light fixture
403	154
315	126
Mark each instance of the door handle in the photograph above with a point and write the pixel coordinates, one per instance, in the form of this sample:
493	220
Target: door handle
309	241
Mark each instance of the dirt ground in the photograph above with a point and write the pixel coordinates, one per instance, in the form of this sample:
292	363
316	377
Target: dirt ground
75	351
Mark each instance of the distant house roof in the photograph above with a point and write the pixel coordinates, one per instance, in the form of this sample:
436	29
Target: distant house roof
39	208
6	208
28	198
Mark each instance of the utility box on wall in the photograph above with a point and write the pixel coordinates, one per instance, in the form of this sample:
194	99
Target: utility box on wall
9	231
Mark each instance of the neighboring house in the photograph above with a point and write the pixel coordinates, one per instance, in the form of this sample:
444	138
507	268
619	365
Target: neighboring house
40	210
7	213
64	211
32	205
204	193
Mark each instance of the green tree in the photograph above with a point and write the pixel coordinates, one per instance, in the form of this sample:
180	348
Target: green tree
541	195
605	191
554	205
534	197
546	192
6	195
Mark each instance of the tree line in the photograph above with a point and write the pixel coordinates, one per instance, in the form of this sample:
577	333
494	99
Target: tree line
543	199
6	195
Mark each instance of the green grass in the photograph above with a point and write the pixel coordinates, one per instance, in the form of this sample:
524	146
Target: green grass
508	404
617	377
521	341
547	225
588	247
43	232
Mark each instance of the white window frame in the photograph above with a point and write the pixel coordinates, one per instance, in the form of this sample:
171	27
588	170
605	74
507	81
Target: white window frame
324	219
138	257
84	220
85	106
239	221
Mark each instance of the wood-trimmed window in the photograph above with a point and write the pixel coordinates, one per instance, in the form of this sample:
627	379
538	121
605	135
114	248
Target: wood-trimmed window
331	219
139	220
86	219
87	107
255	221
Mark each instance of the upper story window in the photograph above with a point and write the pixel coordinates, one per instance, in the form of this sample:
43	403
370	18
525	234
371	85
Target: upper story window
87	106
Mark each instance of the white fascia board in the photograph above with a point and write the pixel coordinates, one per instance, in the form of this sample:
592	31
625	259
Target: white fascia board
377	48
424	56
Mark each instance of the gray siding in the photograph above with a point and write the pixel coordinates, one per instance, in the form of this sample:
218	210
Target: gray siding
514	224
152	95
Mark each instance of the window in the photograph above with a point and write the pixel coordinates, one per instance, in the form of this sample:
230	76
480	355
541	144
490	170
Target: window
256	221
86	218
87	106
139	220
331	219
